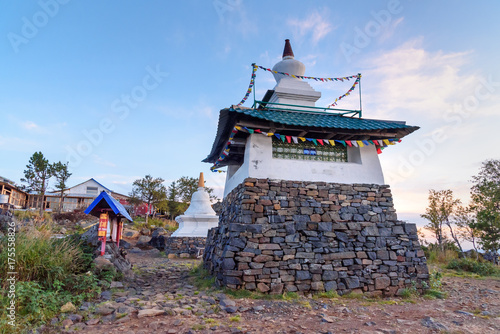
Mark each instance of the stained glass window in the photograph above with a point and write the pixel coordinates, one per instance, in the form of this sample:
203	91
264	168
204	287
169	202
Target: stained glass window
308	151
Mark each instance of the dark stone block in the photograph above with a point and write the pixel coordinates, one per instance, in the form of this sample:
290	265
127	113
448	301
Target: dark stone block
228	264
351	282
232	280
237	227
342	236
330	275
254	228
290	228
302	275
358	218
348	262
301	219
237	242
292	238
331	286
410	228
277	219
325	226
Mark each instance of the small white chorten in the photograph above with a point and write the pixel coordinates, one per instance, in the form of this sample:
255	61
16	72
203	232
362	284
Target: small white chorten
199	217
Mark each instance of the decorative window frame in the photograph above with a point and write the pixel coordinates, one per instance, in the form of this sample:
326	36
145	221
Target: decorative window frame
308	151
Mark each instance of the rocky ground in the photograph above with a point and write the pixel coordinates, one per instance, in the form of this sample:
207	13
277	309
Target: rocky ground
163	299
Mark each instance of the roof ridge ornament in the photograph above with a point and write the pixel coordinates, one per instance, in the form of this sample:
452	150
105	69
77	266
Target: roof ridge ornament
287	51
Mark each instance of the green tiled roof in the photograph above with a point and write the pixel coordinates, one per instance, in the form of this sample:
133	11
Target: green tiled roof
321	120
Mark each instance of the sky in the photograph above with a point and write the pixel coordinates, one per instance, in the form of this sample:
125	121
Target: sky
122	89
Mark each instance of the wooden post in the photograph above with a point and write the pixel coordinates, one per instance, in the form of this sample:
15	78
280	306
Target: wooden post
114	229
120	228
101	232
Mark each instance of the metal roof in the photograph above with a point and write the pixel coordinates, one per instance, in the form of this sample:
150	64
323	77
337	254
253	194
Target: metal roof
321	119
312	121
105	201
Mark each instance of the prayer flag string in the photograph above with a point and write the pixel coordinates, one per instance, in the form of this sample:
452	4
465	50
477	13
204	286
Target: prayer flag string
342	79
380	144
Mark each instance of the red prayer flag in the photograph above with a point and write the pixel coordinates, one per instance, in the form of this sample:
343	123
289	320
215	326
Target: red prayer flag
288	139
320	141
348	142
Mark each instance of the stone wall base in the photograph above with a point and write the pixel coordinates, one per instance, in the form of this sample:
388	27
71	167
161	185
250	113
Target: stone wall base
184	247
277	236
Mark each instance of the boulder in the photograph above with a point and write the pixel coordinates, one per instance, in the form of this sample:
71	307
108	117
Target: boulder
143	242
158	242
145	231
131	234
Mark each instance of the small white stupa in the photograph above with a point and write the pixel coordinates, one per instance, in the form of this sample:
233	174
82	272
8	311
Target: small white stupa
199	217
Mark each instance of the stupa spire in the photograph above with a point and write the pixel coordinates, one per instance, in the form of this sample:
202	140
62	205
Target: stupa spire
287	51
201	181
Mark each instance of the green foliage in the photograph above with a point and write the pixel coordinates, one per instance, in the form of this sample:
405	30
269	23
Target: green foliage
61	173
443	254
470	265
485	195
33	215
290	296
180	193
202	279
408	293
169	225
148	190
236	318
441	207
42	258
51	272
329	294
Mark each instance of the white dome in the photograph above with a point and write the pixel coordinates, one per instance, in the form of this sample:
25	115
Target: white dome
291	66
200	204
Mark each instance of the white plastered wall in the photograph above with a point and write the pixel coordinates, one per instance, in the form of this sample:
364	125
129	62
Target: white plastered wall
363	166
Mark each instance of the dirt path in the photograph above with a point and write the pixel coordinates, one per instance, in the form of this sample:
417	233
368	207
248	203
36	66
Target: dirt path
163	287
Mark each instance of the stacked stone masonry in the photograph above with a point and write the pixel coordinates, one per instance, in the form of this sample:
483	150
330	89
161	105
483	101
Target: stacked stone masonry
184	247
275	236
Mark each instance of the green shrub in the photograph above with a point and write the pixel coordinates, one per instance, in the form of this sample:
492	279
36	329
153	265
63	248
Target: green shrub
169	225
51	272
202	278
32	215
440	255
42	258
473	266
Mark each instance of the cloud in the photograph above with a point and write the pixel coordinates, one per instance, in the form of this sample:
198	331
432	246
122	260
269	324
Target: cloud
390	29
412	78
29	125
100	161
315	26
431	89
15	144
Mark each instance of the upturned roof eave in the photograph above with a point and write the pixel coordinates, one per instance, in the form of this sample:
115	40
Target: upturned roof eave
229	117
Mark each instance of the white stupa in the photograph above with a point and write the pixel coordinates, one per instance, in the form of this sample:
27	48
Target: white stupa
199	217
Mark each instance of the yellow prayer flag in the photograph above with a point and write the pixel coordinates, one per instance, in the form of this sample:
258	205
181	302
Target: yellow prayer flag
386	141
360	143
302	138
269	134
332	142
237	127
